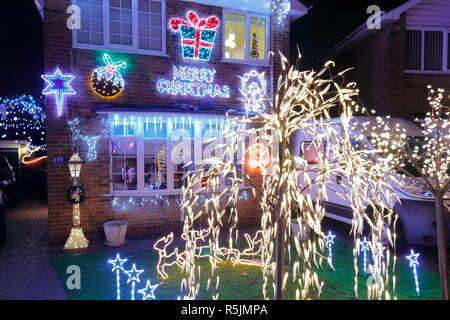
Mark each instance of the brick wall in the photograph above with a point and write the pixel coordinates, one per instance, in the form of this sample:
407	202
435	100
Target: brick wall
141	75
378	63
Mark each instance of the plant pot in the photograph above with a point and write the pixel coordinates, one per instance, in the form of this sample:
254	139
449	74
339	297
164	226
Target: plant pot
295	230
115	232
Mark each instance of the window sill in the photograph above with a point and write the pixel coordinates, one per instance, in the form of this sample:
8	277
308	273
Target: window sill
143	194
154	193
427	72
124	50
262	63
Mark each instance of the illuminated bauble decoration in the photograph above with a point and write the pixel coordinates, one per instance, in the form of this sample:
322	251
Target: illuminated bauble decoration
107	81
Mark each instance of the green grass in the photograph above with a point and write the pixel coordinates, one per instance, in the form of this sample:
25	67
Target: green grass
98	282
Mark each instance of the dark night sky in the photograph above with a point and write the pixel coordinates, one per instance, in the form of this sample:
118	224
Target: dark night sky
328	21
21	54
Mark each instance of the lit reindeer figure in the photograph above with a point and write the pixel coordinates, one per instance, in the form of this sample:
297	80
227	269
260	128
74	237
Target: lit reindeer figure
202	243
175	257
167	259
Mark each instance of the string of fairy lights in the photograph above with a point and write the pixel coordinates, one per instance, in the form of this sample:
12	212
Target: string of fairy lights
23	118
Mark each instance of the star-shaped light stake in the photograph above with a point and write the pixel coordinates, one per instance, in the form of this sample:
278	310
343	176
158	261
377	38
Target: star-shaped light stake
364	246
148	293
329	241
133	277
118	266
413	263
118	263
59	85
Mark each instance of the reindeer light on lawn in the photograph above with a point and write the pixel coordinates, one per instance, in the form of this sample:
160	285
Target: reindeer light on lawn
170	257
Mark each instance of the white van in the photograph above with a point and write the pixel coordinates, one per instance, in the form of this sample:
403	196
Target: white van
417	223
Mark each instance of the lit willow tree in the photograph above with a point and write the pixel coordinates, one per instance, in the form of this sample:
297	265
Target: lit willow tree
301	104
429	156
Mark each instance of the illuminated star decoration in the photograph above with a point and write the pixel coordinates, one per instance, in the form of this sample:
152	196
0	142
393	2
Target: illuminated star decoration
413	263
118	266
148	292
364	246
133	274
117	263
329	241
133	277
59	85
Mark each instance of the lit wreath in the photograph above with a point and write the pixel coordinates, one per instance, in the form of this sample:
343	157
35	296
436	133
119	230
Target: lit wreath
76	195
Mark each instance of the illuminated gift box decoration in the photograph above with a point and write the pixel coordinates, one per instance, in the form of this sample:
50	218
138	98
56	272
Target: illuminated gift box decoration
197	35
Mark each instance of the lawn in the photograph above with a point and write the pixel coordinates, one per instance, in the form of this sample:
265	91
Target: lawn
98	282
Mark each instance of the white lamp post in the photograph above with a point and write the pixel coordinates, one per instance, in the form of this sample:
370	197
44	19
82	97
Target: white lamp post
76	240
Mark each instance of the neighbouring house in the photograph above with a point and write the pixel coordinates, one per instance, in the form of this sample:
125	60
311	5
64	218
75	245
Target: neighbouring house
393	64
146	71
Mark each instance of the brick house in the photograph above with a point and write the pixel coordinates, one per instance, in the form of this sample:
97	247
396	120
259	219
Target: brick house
393	64
134	76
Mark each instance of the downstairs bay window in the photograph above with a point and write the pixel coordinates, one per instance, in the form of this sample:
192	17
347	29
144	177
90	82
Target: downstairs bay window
151	153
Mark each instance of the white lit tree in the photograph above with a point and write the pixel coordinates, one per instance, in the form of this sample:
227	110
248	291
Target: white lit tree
422	162
302	103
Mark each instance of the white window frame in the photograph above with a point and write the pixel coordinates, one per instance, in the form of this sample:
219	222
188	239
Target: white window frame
135	36
445	66
139	137
247	60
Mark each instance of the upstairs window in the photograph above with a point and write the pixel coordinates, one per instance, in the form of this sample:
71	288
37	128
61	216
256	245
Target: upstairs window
122	25
427	51
245	37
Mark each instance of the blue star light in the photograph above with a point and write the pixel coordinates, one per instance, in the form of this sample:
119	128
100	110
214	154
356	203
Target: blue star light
413	259
59	85
117	263
149	291
133	274
329	238
364	245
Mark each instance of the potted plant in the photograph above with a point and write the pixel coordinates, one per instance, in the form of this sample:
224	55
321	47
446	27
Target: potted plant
115	232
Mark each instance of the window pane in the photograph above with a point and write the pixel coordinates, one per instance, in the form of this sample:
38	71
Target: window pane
448	52
413	47
183	161
91	31
155	165
124	164
433	55
120	22
257	38
235	44
150	25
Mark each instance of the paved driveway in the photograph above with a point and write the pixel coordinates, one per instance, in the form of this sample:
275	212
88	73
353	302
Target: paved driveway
25	268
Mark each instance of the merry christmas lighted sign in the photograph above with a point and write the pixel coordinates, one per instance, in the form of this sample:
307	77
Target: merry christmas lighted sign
194	82
197	35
